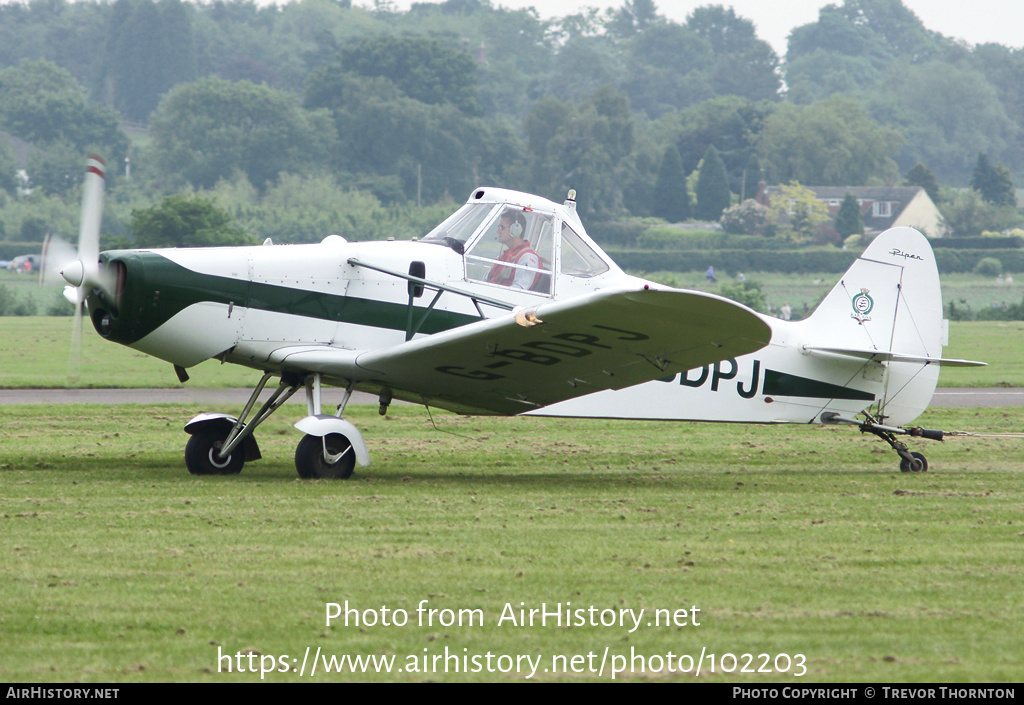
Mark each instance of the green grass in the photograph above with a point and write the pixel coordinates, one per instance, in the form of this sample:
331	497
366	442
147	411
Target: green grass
994	342
34	351
119	566
26	287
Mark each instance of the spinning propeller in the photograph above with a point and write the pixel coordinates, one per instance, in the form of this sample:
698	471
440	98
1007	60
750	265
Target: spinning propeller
81	269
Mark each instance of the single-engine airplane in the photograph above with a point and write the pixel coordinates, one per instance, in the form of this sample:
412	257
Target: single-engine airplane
508	307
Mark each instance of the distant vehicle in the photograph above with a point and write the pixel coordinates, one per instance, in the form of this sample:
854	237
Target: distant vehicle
24	264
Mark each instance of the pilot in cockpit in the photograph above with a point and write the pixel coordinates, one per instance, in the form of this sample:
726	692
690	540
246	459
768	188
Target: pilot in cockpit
521	272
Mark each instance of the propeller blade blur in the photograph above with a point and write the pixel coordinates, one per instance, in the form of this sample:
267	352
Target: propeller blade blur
57	254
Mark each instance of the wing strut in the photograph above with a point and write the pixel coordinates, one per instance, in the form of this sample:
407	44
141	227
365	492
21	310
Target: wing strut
420	282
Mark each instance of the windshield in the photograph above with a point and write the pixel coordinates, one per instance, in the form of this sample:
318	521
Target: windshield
461	224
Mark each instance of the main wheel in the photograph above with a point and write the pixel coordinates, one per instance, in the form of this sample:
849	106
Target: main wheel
919	464
311	463
201	455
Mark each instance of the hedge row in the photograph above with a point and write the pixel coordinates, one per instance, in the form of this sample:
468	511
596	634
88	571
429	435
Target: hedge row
733	261
793	261
10	250
662	238
987	242
952	261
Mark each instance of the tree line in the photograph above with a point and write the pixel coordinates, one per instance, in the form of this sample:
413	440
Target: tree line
385	114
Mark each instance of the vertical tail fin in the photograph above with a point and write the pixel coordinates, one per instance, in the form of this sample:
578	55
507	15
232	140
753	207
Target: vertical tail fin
888	308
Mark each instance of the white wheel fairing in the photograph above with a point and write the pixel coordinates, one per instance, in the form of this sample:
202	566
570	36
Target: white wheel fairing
324	424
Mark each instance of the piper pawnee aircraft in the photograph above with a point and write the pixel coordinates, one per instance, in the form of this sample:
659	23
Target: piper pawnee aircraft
508	307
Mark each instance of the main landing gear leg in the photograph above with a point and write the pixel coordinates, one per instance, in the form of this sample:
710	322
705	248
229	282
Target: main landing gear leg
909	461
221	444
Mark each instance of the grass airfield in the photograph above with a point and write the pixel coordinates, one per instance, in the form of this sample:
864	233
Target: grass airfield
804	549
803	542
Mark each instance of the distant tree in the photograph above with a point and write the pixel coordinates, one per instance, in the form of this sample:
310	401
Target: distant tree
43	104
589	151
633	17
989	267
821	73
752	177
796	213
424	69
831	143
993	182
879	30
1003	67
205	131
299	209
922	176
8	168
434	150
743	64
150	49
185	221
57	169
584	65
747	293
730	123
746	218
947	113
848	219
967	213
671	197
713	195
669	68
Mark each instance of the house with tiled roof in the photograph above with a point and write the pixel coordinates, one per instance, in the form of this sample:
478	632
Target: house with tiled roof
884	207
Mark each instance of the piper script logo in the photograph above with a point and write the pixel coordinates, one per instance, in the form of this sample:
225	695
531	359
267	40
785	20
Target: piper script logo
905	255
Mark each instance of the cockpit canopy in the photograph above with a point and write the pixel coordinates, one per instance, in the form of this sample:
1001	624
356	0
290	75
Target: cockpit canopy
519	241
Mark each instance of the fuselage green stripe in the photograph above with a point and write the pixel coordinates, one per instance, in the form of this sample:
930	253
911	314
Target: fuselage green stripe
156	289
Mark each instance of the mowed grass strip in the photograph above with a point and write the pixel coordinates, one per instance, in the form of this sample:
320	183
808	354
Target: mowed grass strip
34	354
35	351
119	566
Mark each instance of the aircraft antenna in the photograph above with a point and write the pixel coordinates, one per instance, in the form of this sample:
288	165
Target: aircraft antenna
438	428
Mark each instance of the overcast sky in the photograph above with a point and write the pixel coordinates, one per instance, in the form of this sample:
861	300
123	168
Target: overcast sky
974	21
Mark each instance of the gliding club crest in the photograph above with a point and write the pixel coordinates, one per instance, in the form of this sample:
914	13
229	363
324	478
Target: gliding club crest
862	305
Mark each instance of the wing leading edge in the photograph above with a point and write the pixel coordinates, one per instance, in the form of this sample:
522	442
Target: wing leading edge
559	350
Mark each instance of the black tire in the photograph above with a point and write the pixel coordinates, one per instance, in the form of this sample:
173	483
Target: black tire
920	464
201	455
310	462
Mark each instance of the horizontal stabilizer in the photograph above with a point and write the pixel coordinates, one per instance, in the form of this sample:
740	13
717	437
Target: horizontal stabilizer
888	356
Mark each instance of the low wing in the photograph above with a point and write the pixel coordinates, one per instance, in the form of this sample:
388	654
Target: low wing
559	350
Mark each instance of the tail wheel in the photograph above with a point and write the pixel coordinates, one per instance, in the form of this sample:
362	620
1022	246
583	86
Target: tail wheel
201	455
918	464
330	457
